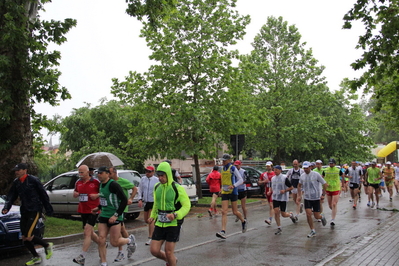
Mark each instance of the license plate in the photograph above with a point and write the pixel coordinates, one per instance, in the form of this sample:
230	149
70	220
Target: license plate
254	184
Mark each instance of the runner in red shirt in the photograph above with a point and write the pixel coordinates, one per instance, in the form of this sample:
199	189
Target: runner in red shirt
214	181
87	190
266	178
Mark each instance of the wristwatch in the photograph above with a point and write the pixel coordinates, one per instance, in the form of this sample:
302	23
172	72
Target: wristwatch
116	214
175	214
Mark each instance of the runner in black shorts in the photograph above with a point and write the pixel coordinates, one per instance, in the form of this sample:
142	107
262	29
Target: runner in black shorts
89	218
148	206
242	190
169	234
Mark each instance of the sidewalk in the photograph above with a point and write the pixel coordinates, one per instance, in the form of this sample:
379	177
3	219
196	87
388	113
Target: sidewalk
380	246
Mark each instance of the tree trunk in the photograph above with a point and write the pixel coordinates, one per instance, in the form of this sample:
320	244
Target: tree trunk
16	135
198	176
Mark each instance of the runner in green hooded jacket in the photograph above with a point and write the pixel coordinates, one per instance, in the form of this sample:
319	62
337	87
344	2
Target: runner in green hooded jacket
167	210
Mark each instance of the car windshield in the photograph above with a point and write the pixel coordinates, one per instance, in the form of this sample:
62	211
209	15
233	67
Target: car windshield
187	181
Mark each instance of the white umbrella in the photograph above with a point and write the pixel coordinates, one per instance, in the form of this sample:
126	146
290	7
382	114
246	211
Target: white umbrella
98	159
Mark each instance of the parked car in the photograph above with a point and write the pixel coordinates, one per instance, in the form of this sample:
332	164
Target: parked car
10	233
189	185
251	183
60	190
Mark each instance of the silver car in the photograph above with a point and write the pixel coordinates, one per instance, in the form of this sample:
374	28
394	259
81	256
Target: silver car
60	191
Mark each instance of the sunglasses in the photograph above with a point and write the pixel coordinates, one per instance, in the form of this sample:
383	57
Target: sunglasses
148	171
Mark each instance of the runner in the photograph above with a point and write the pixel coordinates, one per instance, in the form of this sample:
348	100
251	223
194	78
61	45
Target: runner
213	180
382	182
171	205
374	176
345	181
397	180
33	199
354	174
319	170
146	196
293	175
87	189
388	174
242	189
126	185
280	187
311	183
266	179
231	179
370	196
332	176
113	202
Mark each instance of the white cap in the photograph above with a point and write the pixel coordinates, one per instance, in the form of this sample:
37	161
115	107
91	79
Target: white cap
306	165
378	165
269	163
367	163
388	162
319	161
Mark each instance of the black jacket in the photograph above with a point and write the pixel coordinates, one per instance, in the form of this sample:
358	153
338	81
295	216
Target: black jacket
32	194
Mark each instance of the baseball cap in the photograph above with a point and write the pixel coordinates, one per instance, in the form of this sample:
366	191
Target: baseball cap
103	169
388	162
306	165
150	168
226	157
278	167
319	161
269	163
367	163
378	164
373	162
238	162
332	160
20	166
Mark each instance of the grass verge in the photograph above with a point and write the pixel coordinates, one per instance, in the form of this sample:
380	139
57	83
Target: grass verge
207	200
60	227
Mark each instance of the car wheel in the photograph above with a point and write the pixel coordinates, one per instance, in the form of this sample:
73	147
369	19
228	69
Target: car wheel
133	216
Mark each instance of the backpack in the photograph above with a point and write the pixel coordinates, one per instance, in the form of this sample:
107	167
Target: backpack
177	204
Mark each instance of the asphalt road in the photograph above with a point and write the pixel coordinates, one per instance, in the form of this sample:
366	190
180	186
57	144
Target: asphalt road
258	246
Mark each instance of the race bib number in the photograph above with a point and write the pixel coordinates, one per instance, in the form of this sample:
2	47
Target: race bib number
103	202
83	197
162	217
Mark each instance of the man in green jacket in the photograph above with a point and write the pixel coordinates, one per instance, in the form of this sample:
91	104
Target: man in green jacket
171	204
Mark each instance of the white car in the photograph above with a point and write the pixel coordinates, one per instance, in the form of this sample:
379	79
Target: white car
60	191
191	189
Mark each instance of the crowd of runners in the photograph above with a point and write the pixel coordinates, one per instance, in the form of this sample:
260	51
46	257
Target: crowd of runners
310	181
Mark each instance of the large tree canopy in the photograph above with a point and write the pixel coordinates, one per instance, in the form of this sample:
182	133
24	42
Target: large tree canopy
190	99
380	59
28	75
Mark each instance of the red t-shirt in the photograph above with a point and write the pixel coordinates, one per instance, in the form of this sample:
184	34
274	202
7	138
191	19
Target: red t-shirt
86	204
269	177
214	181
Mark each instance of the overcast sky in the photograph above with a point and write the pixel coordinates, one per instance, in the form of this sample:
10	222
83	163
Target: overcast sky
106	43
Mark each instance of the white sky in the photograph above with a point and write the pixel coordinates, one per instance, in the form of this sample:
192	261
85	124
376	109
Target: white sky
106	43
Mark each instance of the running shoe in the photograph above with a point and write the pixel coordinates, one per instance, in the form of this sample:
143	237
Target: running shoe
131	248
148	242
372	204
390	199
292	218
377	207
296	218
368	204
311	234
221	234
354	206
351	200
49	250
269	222
278	232
210	212
236	220
34	260
301	208
318	220
244	226
119	257
323	220
332	223
79	260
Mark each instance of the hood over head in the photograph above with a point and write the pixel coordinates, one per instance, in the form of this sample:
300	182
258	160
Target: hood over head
165	167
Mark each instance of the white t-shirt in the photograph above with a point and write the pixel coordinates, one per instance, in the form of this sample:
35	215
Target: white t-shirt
311	185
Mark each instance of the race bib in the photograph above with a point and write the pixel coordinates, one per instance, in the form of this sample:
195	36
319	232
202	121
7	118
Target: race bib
162	217
103	202
83	197
226	188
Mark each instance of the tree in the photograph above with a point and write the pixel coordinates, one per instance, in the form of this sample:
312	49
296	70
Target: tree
380	59
288	90
28	75
156	11
102	128
190	99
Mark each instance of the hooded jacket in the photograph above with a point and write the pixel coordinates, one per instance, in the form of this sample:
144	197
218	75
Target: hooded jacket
164	198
